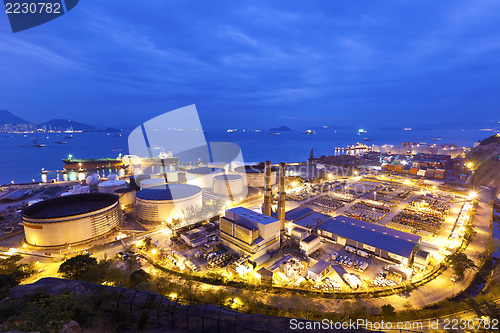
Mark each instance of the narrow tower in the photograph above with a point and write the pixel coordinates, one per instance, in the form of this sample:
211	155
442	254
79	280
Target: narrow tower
282	196
267	189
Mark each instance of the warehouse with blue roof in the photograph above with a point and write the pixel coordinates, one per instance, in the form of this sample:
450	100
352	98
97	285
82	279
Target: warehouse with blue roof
379	241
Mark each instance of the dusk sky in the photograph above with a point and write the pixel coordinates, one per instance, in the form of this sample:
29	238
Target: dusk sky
295	63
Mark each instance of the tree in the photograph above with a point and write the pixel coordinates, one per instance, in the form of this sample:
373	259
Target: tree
139	276
459	262
387	310
147	242
78	267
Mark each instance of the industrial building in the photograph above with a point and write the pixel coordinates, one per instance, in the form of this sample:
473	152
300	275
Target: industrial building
199	236
203	177
379	241
319	271
310	244
304	218
249	233
159	204
70	219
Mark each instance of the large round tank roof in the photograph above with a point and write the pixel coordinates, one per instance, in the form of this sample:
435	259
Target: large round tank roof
168	192
228	177
69	205
257	168
109	183
204	171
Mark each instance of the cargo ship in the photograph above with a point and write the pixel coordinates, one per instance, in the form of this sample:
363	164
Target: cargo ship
75	164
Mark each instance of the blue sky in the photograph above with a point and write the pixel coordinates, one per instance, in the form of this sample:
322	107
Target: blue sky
296	63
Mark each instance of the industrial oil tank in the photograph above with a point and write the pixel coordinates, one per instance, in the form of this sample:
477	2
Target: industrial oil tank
203	177
228	185
110	186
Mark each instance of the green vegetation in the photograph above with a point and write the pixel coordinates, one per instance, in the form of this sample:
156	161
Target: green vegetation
12	273
459	262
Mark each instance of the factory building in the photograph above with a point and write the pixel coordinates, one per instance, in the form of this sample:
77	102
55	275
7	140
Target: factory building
70	219
203	177
379	241
310	244
254	175
249	233
319	271
199	236
159	204
305	219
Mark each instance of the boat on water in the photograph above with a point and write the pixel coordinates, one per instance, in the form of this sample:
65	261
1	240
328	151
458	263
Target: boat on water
61	142
437	139
274	133
37	145
367	139
69	136
91	163
309	132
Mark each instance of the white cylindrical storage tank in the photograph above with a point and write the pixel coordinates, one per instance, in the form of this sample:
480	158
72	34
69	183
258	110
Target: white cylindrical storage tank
172	176
203	177
126	198
220	165
110	186
254	175
157	205
70	219
228	185
152	182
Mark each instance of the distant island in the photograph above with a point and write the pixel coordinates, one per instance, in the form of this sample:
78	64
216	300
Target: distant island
280	129
10	123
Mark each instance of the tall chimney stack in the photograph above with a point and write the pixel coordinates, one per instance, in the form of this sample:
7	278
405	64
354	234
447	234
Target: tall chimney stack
281	199
267	189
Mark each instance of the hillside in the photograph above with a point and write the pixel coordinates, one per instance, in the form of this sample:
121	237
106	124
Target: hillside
63	124
6	117
485	158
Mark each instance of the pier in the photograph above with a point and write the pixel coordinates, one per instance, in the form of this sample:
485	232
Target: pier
353	150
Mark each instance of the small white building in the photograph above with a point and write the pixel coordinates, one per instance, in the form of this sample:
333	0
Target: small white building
319	271
310	244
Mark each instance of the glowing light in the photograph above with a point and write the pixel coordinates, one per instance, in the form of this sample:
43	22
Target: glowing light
169	220
473	194
138	243
355	173
434	187
153	251
470	165
406	182
172	296
70	156
81	176
25	245
330	176
294	184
